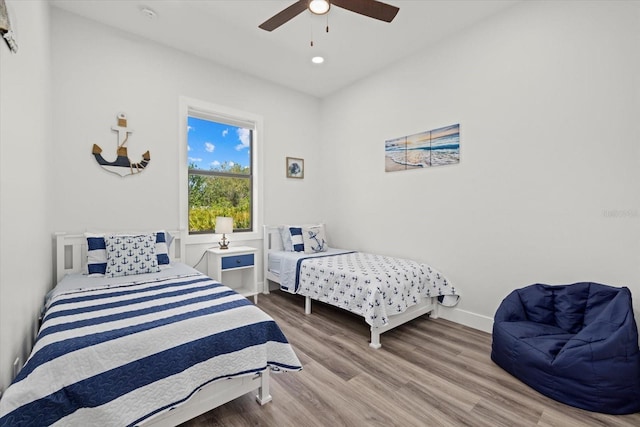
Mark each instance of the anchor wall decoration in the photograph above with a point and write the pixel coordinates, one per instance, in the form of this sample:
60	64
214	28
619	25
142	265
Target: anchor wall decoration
121	165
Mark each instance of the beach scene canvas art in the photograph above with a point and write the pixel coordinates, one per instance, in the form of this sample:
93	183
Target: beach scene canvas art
435	147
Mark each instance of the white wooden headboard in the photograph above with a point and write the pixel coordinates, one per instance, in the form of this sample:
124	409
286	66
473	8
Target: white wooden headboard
70	252
272	241
272	238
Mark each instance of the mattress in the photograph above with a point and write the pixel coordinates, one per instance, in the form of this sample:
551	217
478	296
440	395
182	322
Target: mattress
79	281
282	263
275	260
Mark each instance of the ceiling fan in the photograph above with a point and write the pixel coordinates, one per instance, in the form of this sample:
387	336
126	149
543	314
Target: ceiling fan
371	8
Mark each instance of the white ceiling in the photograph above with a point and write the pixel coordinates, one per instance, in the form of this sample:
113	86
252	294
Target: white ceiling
227	32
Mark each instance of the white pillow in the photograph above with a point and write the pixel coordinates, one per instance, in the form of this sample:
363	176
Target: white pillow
286	238
130	255
314	239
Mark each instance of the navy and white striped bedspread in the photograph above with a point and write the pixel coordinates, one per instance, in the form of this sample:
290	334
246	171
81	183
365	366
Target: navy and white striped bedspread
117	355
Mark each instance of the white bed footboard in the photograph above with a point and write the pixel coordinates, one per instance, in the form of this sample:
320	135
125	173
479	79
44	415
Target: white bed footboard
427	306
213	395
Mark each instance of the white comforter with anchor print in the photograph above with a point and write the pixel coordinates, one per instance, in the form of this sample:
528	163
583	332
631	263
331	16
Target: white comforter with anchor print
372	286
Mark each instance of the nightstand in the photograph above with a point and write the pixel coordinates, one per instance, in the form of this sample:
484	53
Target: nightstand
235	267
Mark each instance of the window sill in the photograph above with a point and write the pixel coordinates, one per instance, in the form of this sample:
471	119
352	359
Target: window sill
203	239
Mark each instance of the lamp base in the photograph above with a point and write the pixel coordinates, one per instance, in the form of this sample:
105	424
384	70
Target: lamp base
224	243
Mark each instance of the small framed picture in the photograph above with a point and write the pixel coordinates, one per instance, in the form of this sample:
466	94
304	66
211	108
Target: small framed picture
295	168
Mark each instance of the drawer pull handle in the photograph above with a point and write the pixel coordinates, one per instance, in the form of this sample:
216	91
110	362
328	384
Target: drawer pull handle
237	261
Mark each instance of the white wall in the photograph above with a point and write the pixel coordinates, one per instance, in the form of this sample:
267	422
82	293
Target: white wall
547	97
99	71
25	163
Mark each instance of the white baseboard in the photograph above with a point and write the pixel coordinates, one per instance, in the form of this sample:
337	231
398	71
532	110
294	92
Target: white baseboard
466	318
463	317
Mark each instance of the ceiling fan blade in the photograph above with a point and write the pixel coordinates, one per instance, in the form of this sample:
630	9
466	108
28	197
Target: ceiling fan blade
371	8
284	16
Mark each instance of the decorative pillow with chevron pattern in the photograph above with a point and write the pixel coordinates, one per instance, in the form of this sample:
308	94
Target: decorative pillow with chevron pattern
130	255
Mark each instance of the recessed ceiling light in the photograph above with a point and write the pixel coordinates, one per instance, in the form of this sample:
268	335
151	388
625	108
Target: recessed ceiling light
149	13
317	59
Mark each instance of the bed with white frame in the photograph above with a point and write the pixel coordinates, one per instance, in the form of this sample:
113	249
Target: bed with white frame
70	257
273	247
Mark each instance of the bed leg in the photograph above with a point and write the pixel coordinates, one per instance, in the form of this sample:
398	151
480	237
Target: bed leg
264	395
434	312
375	338
307	305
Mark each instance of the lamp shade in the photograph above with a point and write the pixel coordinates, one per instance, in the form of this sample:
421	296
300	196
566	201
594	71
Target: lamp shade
224	225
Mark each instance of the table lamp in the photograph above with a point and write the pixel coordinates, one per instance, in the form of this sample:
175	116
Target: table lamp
224	225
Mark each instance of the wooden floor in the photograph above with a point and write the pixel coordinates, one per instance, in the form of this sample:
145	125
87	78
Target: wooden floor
429	372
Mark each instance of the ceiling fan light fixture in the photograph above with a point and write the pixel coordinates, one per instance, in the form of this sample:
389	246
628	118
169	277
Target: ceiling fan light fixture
319	7
317	59
370	8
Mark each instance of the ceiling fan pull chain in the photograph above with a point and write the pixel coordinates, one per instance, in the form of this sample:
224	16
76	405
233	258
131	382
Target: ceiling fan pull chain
327	22
311	31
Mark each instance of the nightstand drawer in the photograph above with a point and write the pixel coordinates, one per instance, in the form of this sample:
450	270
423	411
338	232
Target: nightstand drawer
237	261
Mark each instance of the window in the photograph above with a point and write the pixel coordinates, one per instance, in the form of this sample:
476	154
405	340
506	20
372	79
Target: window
220	172
221	168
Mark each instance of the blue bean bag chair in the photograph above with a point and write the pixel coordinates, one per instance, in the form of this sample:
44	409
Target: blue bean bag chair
577	344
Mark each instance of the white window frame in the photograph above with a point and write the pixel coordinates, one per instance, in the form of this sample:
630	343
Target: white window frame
204	108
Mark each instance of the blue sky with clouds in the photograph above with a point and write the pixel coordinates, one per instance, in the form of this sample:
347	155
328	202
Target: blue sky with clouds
210	144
